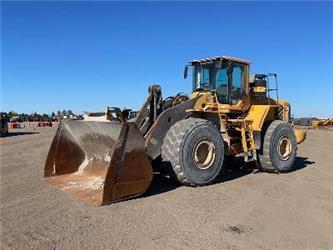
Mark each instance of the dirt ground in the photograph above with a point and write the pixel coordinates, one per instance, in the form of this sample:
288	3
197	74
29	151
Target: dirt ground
246	209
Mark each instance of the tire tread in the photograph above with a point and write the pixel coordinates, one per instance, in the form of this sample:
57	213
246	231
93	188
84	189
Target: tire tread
266	163
172	142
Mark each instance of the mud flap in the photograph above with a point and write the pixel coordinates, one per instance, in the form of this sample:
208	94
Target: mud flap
98	162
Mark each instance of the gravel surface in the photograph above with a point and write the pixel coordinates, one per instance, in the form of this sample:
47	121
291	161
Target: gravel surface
245	209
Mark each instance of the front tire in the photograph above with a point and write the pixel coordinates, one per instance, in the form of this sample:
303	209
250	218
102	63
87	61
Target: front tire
194	147
279	148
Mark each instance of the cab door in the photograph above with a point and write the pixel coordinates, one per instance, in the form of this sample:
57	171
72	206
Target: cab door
237	74
222	83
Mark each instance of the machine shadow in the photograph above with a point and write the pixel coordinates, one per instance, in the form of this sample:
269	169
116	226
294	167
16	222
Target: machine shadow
161	184
11	134
301	162
235	169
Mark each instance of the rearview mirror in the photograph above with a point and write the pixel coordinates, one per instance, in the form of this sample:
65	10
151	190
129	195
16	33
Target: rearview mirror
185	72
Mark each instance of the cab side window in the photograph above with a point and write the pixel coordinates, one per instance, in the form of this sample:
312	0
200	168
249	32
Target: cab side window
205	75
237	82
222	85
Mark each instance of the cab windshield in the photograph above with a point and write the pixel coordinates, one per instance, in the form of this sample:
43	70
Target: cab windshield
226	79
212	76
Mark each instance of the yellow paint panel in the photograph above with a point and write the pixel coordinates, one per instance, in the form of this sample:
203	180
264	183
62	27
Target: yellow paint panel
283	103
300	135
257	115
259	89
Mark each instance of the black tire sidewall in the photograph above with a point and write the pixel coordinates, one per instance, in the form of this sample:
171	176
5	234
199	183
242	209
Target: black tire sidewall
284	130
194	174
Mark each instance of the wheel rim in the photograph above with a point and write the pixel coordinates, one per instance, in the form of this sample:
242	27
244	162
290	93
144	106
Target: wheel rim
204	154
284	148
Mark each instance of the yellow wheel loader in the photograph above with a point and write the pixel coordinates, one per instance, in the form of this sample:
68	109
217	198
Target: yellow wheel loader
227	115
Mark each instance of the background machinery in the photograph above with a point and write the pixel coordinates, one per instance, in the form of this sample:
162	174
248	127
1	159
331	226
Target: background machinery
227	115
3	124
322	123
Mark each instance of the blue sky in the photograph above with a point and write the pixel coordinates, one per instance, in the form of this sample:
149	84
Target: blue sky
85	56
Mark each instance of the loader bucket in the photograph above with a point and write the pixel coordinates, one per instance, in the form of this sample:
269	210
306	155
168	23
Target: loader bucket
98	162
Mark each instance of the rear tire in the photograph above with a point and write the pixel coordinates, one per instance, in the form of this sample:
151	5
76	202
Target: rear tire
195	150
279	148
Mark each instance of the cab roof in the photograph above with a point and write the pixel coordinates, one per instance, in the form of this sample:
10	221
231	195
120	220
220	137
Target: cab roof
219	58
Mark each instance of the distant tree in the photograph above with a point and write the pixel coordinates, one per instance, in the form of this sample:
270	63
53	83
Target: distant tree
24	117
58	113
64	112
12	113
45	116
69	112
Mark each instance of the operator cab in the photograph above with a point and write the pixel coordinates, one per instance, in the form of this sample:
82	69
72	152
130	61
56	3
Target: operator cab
227	76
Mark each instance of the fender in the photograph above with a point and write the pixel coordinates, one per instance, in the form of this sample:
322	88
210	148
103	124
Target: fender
154	137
